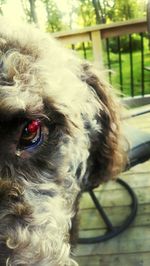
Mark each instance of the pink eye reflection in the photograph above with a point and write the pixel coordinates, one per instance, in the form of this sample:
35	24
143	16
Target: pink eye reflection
33	126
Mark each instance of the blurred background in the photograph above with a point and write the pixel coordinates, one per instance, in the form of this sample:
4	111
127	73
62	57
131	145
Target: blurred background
62	15
112	33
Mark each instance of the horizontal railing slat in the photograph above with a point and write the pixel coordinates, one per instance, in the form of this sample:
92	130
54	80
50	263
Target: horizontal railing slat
107	30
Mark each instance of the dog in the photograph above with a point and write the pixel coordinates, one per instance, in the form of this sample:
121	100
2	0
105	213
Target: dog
59	136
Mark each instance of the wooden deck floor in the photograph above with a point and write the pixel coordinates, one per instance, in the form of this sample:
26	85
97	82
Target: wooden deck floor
132	247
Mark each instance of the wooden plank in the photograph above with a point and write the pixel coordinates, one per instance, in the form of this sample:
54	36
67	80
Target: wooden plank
88	261
74	39
92	233
100	230
114	198
127	113
140	169
91	219
140	259
124	29
139	121
130	241
135	180
105	28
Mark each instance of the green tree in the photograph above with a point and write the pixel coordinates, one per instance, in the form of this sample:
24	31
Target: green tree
126	9
72	11
29	8
103	10
54	16
100	12
86	13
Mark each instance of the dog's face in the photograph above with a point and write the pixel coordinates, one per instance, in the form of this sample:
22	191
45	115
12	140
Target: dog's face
59	133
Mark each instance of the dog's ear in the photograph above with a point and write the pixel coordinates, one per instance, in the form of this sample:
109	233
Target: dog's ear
106	156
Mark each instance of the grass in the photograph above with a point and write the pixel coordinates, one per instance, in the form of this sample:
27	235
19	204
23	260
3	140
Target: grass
126	75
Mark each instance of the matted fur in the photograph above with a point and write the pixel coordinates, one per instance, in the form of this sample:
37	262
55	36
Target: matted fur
39	188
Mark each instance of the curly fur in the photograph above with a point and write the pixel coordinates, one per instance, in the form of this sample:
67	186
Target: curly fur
40	189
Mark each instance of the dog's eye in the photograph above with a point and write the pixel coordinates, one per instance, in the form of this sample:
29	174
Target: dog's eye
31	134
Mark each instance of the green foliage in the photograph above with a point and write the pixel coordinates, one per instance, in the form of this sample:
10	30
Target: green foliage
103	10
79	13
126	9
86	13
54	16
93	12
124	44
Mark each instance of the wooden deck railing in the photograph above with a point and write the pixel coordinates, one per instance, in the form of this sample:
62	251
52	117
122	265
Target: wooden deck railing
98	34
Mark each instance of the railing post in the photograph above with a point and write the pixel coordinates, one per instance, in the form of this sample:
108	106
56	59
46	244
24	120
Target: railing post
97	48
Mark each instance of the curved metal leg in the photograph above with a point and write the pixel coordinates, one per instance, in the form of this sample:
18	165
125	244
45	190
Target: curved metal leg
112	230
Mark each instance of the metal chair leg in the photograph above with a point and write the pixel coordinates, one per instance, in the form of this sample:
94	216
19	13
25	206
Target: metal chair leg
112	230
